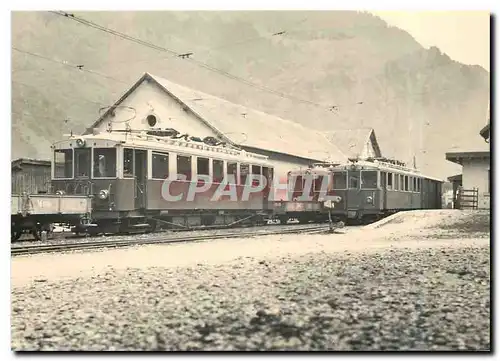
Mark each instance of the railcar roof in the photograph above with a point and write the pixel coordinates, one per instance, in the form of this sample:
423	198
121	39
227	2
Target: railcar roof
165	144
386	168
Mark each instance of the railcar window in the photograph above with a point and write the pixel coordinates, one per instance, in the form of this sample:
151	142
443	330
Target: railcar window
339	180
160	165
299	183
63	163
396	182
244	170
389	181
383	179
104	162
318	182
184	166
401	182
203	166
267	173
218	170
232	169
354	178
414	185
128	163
82	162
418	184
406	183
369	179
256	169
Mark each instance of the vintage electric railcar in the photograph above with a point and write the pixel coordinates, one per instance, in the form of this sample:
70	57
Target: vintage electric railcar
305	200
367	190
126	175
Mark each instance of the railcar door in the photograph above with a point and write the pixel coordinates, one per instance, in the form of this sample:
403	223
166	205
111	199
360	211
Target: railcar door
140	177
383	186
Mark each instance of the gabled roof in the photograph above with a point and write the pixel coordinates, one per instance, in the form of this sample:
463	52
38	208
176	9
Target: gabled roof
231	121
352	141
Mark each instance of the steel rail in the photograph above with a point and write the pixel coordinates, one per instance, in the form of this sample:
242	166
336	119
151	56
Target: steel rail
34	249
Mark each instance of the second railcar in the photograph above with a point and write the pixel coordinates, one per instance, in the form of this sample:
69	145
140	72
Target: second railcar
372	189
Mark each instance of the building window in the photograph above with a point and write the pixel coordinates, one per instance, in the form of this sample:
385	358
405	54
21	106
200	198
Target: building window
82	163
160	165
151	120
104	162
184	166
203	166
63	163
218	170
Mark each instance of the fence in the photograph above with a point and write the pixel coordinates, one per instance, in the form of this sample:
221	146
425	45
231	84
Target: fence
467	198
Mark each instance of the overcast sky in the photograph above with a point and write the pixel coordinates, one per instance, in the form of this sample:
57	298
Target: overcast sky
463	35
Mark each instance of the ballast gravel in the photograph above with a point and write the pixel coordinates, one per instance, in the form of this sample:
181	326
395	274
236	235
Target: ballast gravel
393	299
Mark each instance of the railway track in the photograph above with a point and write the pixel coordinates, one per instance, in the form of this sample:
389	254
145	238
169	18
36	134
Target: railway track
46	248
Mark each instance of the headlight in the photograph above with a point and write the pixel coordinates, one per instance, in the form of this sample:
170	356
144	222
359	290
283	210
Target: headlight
80	142
369	199
103	194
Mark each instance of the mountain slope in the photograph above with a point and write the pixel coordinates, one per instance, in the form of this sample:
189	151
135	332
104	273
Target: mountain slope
419	101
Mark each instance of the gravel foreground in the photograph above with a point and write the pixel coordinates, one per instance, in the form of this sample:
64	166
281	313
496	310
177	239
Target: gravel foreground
393	299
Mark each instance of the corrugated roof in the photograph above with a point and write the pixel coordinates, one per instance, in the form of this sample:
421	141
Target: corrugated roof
245	126
352	141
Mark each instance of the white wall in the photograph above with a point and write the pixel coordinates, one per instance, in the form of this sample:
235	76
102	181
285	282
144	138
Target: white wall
475	175
148	99
368	150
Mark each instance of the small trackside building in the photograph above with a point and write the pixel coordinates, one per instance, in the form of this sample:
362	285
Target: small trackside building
31	176
475	175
